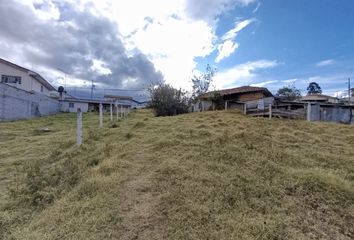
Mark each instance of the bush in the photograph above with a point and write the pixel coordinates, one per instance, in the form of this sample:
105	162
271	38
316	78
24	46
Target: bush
168	101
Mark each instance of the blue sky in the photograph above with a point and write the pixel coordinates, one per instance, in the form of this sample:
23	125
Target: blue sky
310	40
132	44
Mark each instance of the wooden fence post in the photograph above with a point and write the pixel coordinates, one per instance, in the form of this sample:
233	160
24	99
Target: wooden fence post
270	110
101	115
245	108
225	105
79	128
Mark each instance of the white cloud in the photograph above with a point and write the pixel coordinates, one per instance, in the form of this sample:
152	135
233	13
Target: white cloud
225	50
175	33
239	25
208	10
100	67
172	45
292	80
172	34
263	84
163	31
324	63
228	44
256	9
242	74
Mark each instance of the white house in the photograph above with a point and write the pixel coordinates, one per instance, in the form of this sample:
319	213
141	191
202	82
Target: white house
71	104
23	78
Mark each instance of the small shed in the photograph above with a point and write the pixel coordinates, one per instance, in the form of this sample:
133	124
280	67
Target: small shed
320	98
232	98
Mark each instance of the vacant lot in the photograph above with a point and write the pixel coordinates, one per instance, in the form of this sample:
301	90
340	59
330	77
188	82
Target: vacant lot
213	175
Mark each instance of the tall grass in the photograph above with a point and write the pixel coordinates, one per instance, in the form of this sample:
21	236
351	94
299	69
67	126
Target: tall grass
213	175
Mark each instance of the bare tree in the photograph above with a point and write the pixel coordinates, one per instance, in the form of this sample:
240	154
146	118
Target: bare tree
203	82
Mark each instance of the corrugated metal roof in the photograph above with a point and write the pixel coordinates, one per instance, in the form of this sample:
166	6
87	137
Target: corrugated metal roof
238	90
118	97
317	97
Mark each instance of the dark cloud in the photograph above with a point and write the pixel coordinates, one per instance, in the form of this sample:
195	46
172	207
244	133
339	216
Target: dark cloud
72	42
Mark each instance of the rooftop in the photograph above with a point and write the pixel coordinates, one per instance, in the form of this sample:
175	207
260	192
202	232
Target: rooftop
238	90
318	96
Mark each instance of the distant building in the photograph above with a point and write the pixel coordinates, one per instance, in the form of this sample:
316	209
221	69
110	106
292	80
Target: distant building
320	98
71	104
126	100
234	98
23	78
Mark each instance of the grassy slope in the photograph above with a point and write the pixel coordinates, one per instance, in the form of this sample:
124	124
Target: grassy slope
213	175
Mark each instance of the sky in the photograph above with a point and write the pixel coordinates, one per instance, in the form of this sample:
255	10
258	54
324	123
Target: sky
134	44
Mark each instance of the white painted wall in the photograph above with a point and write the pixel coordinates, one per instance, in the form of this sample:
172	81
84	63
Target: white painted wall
202	105
17	104
65	106
28	83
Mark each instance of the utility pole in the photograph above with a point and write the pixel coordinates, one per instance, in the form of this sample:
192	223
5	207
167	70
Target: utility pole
65	74
349	92
92	87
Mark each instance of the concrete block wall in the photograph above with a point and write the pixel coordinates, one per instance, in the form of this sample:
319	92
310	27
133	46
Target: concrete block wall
19	104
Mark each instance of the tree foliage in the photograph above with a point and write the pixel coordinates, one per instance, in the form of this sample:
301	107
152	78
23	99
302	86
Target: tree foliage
202	83
314	88
168	101
289	93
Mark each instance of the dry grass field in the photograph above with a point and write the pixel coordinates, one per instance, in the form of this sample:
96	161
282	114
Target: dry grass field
212	175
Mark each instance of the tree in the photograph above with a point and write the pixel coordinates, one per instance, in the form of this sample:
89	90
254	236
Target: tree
314	88
289	93
202	83
168	101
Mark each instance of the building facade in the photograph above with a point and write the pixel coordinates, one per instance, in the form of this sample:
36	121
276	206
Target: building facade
232	98
23	78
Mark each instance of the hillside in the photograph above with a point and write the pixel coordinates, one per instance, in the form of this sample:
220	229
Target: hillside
212	175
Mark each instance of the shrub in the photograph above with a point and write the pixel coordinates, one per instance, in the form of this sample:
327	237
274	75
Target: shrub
168	101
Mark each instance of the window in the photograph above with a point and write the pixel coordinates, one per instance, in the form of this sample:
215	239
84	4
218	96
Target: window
71	105
10	79
41	88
